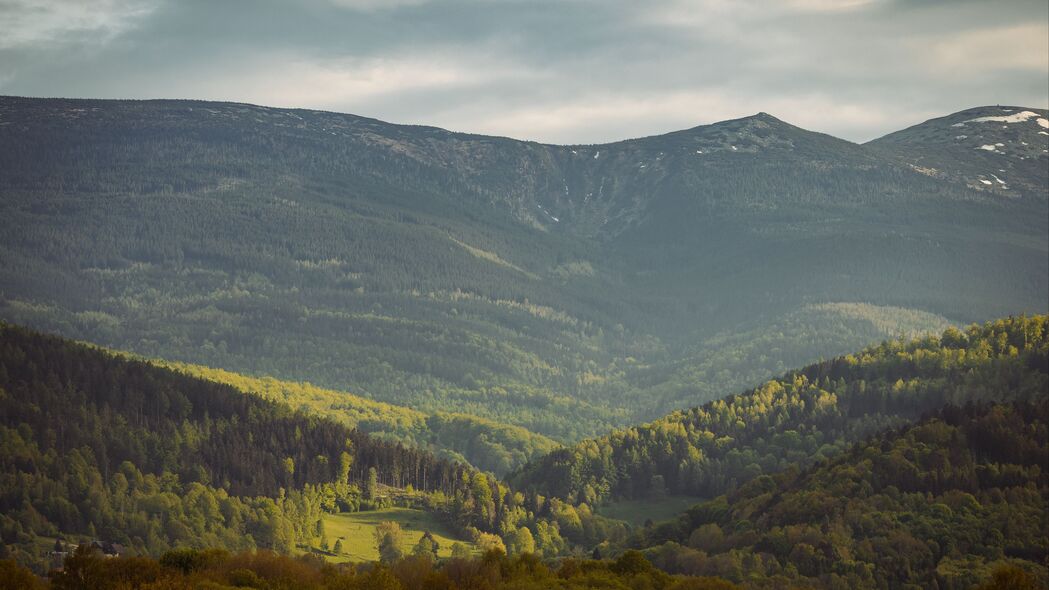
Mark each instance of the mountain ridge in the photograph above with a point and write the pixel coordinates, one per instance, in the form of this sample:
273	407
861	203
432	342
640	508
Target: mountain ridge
509	280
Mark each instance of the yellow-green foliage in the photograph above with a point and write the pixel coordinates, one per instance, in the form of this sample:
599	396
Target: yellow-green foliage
352	410
483	443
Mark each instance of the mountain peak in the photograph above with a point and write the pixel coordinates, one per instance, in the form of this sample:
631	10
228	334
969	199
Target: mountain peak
999	149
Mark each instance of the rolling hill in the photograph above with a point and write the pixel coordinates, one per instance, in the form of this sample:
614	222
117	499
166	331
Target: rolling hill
909	463
484	444
946	503
100	446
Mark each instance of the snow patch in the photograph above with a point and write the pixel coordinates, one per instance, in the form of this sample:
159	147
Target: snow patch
1015	118
597	154
961	136
1043	122
1000	181
986	181
989	147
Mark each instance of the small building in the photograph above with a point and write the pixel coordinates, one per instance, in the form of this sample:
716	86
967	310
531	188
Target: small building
108	548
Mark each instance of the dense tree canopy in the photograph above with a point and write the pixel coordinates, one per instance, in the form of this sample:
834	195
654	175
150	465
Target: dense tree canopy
940	504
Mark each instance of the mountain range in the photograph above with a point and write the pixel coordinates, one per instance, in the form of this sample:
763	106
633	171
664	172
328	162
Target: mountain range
567	290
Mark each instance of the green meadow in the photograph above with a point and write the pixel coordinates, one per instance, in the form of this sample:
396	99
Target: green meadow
356	530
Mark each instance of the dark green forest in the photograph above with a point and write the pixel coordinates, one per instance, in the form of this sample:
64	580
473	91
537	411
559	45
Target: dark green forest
118	449
940	504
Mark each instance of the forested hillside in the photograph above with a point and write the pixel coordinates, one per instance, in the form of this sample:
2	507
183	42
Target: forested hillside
487	445
801	417
829	476
117	449
941	504
95	445
564	289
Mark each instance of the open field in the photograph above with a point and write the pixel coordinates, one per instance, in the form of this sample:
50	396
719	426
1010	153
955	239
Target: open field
356	529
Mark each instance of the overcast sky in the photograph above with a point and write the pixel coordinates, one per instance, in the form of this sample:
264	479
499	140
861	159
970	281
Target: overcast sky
564	71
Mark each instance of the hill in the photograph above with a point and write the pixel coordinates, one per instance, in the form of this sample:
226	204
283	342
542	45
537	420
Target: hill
526	284
944	503
913	462
484	444
99	446
804	416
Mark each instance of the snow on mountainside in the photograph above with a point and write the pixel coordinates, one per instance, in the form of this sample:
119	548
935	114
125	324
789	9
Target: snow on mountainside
1000	149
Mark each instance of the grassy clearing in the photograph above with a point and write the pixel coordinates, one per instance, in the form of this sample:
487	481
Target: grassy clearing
356	529
636	512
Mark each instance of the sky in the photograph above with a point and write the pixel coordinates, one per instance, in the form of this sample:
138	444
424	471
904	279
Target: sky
557	71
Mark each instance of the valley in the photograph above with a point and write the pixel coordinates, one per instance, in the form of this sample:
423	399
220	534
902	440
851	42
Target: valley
276	348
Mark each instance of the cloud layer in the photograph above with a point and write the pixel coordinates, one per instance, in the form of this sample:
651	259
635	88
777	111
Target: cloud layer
563	71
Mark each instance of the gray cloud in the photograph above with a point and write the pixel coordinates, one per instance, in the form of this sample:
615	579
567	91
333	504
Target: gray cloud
566	71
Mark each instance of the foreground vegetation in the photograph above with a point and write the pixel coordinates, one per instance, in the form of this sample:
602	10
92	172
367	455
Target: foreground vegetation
190	569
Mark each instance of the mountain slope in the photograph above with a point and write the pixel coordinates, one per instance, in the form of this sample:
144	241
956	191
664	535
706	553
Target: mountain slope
1001	149
484	444
529	284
